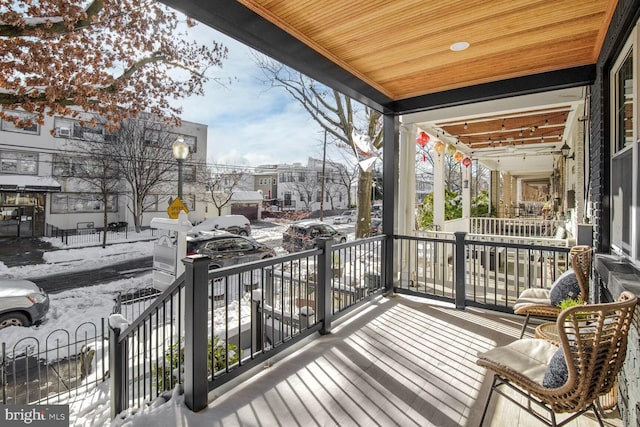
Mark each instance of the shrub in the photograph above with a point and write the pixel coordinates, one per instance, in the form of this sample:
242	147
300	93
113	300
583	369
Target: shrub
167	373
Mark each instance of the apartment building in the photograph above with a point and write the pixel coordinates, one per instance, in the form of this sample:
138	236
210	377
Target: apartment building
39	185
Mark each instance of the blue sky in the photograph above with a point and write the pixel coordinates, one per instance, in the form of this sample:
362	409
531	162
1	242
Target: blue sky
249	124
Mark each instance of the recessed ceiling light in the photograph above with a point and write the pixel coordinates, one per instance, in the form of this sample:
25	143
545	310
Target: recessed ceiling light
458	46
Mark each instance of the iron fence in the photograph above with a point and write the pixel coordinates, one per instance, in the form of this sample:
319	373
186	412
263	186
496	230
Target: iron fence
64	364
93	236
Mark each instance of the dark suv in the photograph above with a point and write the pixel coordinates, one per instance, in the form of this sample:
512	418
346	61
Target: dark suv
304	235
226	249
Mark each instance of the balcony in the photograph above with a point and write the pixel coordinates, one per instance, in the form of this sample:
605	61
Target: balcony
406	357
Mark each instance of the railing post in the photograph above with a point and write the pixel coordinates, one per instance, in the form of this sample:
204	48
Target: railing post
257	320
460	270
117	365
195	334
324	284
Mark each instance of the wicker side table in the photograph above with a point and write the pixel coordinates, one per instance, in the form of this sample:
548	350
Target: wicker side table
549	331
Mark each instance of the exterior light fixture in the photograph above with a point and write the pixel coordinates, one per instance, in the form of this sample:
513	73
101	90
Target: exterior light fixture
565	149
180	152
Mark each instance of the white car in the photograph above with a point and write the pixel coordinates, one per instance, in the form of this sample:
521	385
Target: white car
347	217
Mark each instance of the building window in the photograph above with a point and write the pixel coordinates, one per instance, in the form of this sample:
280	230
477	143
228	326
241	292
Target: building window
81	203
19	163
9	126
75	129
625	192
287	198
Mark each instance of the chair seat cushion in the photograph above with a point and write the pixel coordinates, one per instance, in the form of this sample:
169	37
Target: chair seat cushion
565	286
528	357
557	373
532	296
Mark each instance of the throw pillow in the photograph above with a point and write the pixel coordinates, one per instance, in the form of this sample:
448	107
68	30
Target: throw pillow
557	373
565	286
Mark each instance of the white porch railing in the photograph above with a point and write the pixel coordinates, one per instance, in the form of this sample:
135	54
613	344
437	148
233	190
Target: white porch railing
517	227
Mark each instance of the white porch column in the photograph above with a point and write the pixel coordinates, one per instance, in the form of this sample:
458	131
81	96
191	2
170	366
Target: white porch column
406	212
438	191
466	192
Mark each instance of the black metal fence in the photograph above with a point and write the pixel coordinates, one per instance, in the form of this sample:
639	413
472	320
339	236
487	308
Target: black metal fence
62	365
237	317
93	236
212	325
471	270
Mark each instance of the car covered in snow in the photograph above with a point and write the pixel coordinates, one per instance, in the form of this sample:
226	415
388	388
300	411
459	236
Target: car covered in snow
347	217
304	235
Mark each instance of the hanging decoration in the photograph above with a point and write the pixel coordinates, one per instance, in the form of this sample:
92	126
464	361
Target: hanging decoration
466	162
438	147
451	149
423	138
458	157
424	157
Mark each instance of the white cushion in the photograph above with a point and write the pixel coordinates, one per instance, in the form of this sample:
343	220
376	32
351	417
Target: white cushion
530	357
532	296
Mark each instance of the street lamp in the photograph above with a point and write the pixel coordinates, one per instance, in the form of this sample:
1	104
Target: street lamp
180	152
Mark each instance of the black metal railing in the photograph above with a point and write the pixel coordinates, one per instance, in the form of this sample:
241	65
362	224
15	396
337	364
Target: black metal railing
240	316
470	270
62	365
237	318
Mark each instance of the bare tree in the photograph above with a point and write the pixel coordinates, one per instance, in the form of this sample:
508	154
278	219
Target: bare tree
341	117
99	172
307	186
142	150
345	176
221	183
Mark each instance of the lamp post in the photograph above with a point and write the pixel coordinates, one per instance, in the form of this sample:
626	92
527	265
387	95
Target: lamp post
180	152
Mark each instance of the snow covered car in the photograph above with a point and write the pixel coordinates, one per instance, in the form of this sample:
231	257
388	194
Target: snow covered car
347	217
304	235
236	224
22	303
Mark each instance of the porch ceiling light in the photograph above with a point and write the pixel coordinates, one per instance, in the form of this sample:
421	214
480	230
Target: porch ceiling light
458	46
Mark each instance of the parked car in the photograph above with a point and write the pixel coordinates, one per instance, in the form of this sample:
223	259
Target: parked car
304	235
347	217
236	224
376	211
22	303
226	249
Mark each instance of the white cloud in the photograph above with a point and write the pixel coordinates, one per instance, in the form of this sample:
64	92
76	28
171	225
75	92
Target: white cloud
248	124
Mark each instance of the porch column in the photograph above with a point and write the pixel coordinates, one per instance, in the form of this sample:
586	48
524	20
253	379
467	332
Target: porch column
438	191
495	193
507	195
390	182
406	212
466	194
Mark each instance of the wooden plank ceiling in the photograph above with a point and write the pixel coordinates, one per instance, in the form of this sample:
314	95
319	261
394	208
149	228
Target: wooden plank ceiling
402	48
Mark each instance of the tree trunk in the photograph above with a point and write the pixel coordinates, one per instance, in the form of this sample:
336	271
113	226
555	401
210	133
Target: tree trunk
363	221
104	221
137	217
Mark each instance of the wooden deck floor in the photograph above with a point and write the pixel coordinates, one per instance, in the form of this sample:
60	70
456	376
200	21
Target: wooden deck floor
399	361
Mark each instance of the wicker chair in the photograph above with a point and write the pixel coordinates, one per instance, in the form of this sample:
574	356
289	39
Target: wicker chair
594	341
535	301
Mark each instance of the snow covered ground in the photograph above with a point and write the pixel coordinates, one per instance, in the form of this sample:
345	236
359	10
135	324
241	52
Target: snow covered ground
71	308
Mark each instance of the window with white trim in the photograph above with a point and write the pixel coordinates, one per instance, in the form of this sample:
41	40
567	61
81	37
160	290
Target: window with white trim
625	155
